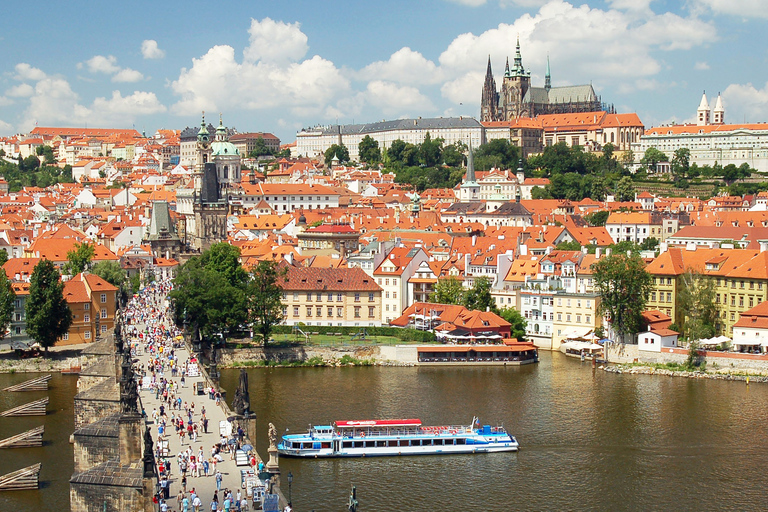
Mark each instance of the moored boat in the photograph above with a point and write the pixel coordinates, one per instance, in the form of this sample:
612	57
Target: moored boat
396	437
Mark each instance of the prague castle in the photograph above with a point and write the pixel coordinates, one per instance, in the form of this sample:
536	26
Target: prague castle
518	98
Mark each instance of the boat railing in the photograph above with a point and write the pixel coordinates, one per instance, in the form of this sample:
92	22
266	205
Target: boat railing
401	432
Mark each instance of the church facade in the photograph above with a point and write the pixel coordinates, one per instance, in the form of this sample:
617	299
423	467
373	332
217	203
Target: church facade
518	98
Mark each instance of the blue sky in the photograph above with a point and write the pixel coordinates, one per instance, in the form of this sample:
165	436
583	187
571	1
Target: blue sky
280	66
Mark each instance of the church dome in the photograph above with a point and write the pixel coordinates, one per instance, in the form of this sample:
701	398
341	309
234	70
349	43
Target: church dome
224	148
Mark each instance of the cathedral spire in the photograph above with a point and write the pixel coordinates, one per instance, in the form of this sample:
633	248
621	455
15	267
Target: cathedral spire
506	68
548	77
470	165
489	72
519	70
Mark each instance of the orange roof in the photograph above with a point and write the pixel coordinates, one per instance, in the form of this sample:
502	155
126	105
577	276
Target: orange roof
689	129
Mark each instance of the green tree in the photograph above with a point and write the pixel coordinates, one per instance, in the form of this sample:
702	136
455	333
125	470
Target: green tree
340	151
113	273
3	257
7	298
48	314
624	285
649	244
570	245
625	189
31	163
79	258
696	299
368	149
259	149
598	218
598	190
681	162
448	290
652	157
479	296
224	259
519	323
453	154
430	151
264	292
498	153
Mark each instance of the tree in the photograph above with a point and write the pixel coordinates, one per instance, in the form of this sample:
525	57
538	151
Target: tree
696	299
624	285
652	157
448	290
3	257
340	151
598	218
497	153
453	154
649	244
79	258
48	314
430	151
598	190
7	298
479	296
224	259
570	245
368	150
625	189
519	323
681	162
31	163
113	273
264	292
259	148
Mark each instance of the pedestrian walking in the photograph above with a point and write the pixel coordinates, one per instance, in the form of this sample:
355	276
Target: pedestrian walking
219	477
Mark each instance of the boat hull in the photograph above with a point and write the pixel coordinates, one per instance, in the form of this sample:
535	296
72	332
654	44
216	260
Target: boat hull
373	452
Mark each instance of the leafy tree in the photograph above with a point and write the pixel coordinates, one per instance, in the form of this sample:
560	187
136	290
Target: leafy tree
264	292
519	323
627	159
652	157
113	273
479	296
540	193
79	258
497	153
608	161
598	190
625	246
681	162
430	151
448	290
340	151
48	314
224	259
649	244
596	219
570	245
696	299
732	173
624	285
368	149
3	257
31	163
453	154
259	149
7	297
625	189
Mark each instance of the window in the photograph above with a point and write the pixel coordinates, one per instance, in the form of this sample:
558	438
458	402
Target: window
559	317
733	300
559	302
17	303
357	311
386	294
103	298
370	296
319	297
87	306
103	312
669	297
86	318
669	281
394	295
386	307
338	297
588	319
295	310
567	318
578	319
653	296
66	336
309	310
309	296
319	311
741	301
371	310
357	297
751	301
330	311
295	295
87	335
18	317
330	297
741	284
339	312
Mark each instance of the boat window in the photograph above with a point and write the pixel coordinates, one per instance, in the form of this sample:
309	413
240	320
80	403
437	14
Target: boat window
359	444
404	442
326	445
392	443
461	440
381	443
370	444
347	444
306	446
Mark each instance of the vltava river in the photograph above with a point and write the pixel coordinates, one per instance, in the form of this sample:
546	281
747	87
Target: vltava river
590	440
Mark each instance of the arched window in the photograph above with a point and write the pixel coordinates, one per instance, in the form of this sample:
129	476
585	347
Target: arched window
226	171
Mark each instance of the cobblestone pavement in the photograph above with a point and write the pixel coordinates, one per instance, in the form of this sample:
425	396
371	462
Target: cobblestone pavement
150	318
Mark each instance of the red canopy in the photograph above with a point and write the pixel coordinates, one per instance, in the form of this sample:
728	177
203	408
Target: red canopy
378	423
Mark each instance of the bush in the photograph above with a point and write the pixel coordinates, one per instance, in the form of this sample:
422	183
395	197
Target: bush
403	334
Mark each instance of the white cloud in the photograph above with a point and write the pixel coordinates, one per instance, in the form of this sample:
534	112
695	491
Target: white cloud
742	8
26	72
20	91
5	127
745	102
102	64
397	101
608	46
405	66
128	75
149	50
275	41
4	102
54	103
701	66
217	81
468	3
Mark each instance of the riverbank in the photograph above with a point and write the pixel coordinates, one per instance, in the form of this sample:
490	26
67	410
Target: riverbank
723	374
306	356
59	359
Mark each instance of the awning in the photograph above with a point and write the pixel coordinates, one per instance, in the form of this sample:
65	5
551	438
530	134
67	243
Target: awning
747	343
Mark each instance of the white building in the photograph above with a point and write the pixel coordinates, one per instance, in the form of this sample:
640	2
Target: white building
285	197
654	341
313	142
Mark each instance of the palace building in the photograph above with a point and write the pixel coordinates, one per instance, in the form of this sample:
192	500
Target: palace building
518	98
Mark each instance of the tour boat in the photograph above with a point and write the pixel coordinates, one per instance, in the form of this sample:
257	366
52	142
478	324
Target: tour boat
395	437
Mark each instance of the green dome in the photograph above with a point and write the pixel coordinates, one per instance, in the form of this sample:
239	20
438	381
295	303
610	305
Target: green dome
224	148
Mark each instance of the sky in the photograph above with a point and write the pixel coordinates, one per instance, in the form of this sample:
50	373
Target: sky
281	66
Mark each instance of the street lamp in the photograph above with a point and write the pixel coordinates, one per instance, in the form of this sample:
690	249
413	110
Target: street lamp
290	481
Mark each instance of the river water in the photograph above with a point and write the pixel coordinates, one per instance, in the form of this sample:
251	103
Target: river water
590	440
56	452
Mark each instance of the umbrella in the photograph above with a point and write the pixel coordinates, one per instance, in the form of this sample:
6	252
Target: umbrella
246	447
18	345
232	441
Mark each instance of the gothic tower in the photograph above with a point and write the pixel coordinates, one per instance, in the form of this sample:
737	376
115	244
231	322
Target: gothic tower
702	113
209	223
489	104
514	88
548	77
719	112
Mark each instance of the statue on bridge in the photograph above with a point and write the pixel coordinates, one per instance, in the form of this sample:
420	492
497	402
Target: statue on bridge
242	400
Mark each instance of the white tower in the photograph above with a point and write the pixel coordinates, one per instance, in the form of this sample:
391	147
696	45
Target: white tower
702	113
718	115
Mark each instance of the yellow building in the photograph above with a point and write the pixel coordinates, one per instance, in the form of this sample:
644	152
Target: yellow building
331	296
574	313
93	302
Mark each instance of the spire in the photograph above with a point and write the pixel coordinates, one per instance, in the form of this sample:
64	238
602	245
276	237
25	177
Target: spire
489	72
548	77
470	165
203	133
702	113
519	69
719	112
704	105
506	69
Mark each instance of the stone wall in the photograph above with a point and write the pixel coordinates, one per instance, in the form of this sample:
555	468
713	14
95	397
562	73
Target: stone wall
96	403
621	353
239	355
96	443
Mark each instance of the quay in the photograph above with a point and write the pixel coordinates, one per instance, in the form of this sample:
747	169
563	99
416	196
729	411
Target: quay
118	448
